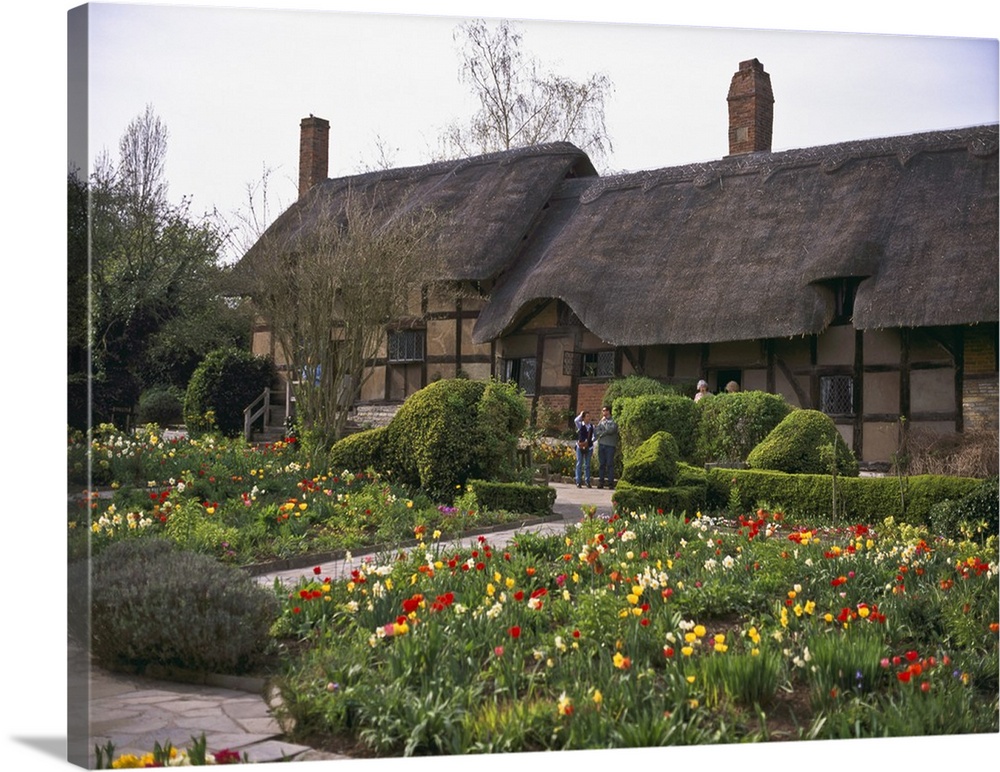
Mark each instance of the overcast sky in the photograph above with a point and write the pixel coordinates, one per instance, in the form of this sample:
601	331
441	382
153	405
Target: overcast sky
232	108
232	84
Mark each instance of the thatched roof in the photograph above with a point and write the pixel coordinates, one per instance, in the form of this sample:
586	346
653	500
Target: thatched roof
750	246
485	206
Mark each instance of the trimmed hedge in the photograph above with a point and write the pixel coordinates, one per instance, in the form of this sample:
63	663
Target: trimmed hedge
632	386
860	499
977	514
677	499
796	446
688	494
653	463
514	497
431	441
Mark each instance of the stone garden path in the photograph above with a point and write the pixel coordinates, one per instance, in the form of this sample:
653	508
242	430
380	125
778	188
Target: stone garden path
134	712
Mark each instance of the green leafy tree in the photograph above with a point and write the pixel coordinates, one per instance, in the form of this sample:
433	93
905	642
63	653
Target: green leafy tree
225	382
77	311
157	307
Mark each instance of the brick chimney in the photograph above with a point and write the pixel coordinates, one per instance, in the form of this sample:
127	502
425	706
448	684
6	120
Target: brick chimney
751	109
314	152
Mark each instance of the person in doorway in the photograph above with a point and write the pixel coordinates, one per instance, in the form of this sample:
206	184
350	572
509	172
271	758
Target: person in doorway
732	387
606	433
702	390
584	449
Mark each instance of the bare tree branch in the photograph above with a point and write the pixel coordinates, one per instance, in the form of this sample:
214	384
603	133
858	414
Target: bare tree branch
519	104
329	297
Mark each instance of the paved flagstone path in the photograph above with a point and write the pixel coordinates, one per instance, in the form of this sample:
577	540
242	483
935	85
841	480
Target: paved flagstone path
135	712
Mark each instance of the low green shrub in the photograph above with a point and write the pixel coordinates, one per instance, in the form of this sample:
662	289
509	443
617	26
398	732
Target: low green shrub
653	463
688	474
154	604
973	515
514	497
161	405
796	445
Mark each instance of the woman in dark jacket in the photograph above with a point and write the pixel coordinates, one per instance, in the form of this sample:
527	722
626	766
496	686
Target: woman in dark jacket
584	450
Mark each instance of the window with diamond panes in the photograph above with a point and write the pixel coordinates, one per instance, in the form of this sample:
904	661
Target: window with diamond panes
406	346
836	394
522	372
598	364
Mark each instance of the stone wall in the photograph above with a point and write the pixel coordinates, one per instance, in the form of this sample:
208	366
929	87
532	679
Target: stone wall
372	415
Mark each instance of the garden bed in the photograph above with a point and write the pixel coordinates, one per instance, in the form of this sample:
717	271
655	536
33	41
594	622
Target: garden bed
650	631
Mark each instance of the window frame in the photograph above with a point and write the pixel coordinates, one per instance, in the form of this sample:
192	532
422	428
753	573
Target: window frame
407	339
828	401
601	364
514	370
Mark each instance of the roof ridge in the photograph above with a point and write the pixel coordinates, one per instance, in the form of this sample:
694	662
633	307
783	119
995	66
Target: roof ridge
457	164
980	141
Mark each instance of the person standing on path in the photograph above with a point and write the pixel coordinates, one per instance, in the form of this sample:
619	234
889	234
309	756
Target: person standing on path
584	448
606	433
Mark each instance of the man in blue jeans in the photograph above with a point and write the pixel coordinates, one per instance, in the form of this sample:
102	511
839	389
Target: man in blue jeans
606	433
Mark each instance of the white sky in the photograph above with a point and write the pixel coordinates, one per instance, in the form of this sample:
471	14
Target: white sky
232	84
668	108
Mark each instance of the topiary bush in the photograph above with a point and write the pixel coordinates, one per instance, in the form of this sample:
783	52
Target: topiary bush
161	405
222	386
432	441
731	425
153	604
975	515
796	445
653	463
502	415
441	436
360	451
639	418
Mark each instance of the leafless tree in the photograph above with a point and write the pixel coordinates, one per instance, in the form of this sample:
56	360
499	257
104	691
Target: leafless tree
329	294
521	104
